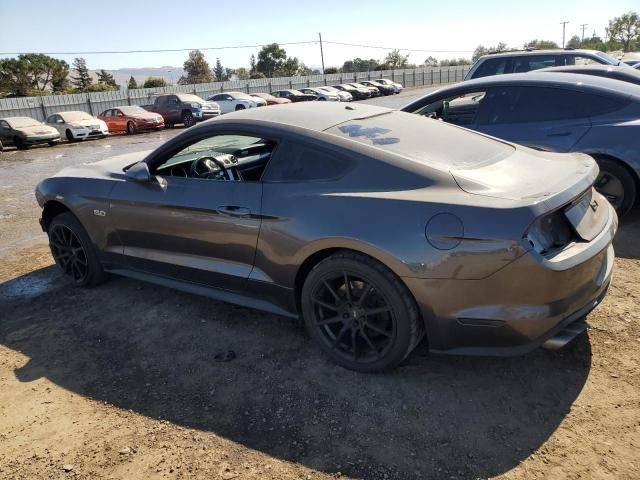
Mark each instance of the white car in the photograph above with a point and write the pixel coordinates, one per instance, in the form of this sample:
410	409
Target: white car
397	86
342	95
78	125
321	94
232	101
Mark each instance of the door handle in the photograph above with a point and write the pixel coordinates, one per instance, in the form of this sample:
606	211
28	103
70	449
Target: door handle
559	134
233	211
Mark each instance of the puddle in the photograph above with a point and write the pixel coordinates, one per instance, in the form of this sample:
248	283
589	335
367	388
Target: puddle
33	284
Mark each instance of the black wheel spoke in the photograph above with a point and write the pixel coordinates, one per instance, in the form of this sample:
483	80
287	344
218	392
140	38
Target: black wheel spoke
329	321
338	337
365	293
325	304
331	291
370	312
364	335
377	329
347	286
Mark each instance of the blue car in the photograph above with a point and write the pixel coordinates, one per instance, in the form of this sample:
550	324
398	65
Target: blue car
558	112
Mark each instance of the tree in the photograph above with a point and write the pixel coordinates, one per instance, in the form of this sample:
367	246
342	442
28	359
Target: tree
396	60
271	58
82	78
541	44
31	72
454	62
197	69
330	70
480	50
154	82
257	75
100	87
431	61
105	78
219	72
132	85
574	42
242	73
625	29
360	65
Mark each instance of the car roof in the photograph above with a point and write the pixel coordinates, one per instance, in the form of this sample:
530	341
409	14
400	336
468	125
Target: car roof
559	51
620	71
17	118
316	116
557	79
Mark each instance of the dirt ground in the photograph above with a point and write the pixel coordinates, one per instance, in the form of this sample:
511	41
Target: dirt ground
133	381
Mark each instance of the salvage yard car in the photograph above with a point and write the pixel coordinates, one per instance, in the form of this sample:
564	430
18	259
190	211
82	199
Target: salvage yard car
131	119
232	101
558	112
378	227
23	132
322	95
78	125
184	108
396	86
294	95
270	99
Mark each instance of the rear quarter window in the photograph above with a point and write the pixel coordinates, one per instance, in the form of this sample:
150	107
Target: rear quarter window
295	161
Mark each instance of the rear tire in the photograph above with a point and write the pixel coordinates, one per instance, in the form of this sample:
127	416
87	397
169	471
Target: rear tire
73	251
240	107
617	185
188	120
53	144
322	99
131	128
359	313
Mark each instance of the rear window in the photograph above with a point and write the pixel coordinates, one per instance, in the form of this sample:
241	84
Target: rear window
296	162
424	140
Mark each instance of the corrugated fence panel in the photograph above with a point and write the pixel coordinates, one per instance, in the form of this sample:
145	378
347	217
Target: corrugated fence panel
97	102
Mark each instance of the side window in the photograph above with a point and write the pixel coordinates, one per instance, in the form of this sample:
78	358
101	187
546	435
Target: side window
216	98
4	125
492	66
527	104
581	60
296	162
461	109
244	158
526	63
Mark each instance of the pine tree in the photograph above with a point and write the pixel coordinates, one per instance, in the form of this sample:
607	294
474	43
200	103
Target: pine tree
106	78
82	80
220	72
132	85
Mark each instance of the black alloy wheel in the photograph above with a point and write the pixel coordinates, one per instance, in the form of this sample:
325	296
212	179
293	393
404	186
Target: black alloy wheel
360	313
188	120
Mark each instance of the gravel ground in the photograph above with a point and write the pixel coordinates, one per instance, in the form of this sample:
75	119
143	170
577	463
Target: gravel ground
129	380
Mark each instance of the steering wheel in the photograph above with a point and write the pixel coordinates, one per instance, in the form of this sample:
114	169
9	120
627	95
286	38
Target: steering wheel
203	167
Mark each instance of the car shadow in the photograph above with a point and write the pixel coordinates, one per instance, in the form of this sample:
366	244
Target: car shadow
165	355
627	241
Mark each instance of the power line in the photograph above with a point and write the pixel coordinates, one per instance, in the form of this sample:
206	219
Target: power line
228	47
397	48
162	50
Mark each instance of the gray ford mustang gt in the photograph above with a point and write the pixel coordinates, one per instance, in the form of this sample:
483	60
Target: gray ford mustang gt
379	227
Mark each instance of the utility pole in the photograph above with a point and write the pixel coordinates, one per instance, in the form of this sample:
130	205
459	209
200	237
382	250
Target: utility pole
321	53
583	26
564	24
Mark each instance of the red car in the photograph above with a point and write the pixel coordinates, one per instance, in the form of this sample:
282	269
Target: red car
270	99
131	119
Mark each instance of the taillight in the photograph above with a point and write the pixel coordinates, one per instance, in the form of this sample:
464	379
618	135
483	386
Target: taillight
550	232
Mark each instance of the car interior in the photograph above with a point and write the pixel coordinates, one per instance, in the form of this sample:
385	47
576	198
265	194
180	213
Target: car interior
234	158
459	110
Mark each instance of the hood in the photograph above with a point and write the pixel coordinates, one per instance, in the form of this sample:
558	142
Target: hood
34	130
112	167
143	116
530	175
89	123
212	105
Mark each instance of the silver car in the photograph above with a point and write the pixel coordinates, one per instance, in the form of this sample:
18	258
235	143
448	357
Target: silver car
322	95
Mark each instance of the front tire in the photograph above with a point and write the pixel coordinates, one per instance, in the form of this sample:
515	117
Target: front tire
19	143
73	251
70	137
240	107
53	144
359	313
188	120
616	184
131	128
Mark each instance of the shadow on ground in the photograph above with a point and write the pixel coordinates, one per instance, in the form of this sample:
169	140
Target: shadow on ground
158	353
627	242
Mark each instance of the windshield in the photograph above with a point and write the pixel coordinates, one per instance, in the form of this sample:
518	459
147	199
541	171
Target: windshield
424	140
75	116
132	109
19	122
185	97
611	60
240	95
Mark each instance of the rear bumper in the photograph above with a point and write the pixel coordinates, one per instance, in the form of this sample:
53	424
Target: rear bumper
518	308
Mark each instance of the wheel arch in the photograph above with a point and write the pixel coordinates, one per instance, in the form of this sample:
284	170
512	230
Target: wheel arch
52	209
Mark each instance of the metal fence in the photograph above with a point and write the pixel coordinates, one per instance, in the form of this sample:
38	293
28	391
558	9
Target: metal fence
97	102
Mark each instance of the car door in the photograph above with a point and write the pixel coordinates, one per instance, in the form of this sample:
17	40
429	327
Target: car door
191	229
57	122
169	108
118	120
545	118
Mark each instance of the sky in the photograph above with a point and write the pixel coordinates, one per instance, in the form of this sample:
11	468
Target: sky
445	29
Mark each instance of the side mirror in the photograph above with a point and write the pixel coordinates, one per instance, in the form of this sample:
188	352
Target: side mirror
139	172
